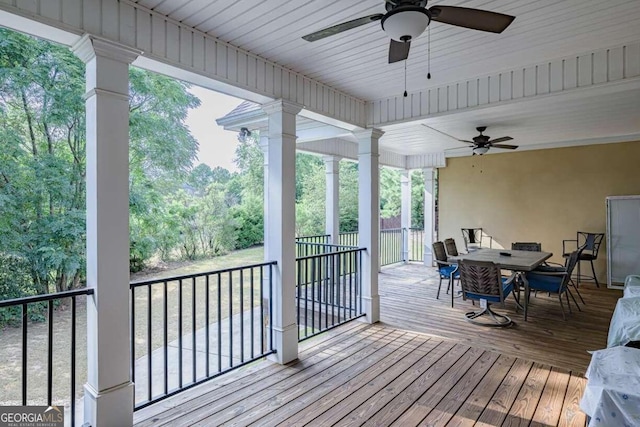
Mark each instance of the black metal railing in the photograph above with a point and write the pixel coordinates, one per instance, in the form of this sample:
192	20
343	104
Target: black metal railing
328	291
391	246
416	244
52	307
188	329
307	248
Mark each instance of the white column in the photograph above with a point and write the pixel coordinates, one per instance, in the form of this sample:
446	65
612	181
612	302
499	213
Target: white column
266	293
405	211
332	208
429	216
108	393
369	219
280	220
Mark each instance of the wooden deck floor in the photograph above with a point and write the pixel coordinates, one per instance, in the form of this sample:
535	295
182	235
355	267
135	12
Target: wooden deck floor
393	373
408	301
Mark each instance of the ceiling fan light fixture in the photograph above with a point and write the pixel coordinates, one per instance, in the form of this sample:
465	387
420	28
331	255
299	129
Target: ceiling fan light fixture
480	150
406	23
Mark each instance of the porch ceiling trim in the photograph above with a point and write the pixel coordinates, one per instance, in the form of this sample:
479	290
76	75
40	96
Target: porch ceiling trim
349	150
569	74
233	71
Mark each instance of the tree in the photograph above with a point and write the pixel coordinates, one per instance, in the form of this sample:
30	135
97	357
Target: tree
43	159
348	195
161	156
245	192
390	193
310	191
42	164
417	199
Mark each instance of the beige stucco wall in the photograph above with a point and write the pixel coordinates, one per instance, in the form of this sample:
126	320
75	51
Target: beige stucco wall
541	195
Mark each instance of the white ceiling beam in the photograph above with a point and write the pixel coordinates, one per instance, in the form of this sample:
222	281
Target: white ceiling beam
603	69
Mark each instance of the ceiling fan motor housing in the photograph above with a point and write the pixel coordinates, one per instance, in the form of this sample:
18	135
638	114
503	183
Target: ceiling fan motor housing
405	23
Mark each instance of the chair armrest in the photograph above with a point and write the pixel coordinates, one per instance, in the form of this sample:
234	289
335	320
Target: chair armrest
511	278
564	242
549	263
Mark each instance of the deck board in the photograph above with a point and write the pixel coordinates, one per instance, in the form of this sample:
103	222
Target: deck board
472	408
422	365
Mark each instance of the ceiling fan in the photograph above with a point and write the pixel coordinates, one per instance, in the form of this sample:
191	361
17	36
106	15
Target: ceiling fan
482	143
405	20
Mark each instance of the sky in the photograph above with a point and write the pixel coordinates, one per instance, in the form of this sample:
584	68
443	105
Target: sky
217	146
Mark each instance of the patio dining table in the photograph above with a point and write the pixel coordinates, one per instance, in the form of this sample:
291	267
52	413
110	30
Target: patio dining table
516	261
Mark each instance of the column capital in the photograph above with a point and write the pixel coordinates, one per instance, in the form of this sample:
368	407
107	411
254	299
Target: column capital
88	47
330	158
280	105
368	134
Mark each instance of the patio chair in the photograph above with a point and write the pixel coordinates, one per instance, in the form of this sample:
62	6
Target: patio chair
482	281
452	248
555	280
473	238
590	242
446	269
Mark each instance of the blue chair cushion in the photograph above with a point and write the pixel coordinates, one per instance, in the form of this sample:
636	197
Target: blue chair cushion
445	271
506	290
540	282
549	268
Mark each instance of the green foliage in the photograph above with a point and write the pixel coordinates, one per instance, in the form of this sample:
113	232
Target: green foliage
249	222
348	197
16	282
390	197
42	189
245	192
177	210
417	199
310	191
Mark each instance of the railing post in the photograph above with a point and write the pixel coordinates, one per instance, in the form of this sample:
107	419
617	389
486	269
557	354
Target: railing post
369	219
280	218
108	397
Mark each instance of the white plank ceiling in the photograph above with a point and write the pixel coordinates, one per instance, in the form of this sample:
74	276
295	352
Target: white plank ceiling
355	62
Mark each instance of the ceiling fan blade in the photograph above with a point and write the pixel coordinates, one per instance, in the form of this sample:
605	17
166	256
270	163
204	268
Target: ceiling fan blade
458	148
475	19
344	26
505	146
398	51
499	140
464	140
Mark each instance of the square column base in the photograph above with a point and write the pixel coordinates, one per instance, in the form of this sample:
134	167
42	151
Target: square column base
285	341
428	256
113	407
371	306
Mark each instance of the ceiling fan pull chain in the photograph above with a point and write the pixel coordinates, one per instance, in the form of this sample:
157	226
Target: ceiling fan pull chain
428	53
405	78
